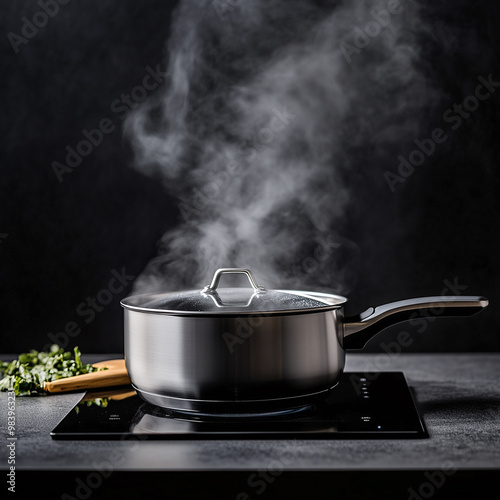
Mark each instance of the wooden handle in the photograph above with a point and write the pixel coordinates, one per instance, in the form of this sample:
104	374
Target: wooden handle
116	374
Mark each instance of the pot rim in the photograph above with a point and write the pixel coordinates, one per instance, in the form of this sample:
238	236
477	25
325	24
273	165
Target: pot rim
331	301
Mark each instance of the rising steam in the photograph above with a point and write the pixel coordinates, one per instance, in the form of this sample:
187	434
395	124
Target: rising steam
255	128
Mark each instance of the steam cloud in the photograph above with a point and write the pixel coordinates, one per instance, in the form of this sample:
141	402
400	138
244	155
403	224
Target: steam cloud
255	130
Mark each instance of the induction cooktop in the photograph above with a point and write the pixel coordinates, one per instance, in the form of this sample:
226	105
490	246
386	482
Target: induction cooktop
361	406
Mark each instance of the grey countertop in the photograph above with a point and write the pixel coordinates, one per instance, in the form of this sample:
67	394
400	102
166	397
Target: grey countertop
458	396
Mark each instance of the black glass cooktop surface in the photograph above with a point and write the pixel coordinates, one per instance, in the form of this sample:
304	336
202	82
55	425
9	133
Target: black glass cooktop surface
363	406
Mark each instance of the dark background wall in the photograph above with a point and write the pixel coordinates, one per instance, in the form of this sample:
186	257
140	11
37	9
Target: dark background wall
61	243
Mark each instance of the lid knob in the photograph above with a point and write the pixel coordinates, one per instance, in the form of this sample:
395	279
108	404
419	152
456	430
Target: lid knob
212	288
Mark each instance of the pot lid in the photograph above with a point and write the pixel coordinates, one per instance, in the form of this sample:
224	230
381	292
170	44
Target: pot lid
213	300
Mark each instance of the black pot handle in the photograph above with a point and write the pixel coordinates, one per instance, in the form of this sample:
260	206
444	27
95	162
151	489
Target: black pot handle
358	330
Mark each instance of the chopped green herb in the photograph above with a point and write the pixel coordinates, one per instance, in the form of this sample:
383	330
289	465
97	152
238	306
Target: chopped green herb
27	374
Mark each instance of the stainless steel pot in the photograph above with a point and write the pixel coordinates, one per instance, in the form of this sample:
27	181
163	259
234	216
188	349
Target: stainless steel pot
244	350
